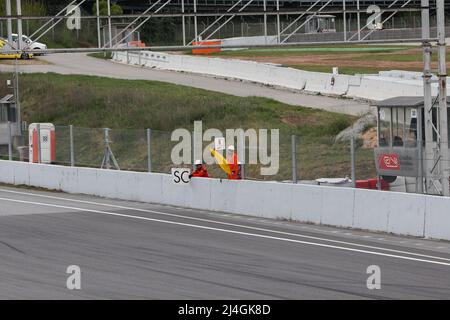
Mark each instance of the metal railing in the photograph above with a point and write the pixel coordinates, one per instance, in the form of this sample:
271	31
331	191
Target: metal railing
300	157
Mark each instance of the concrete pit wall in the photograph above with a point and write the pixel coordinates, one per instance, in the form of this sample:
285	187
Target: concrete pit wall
393	212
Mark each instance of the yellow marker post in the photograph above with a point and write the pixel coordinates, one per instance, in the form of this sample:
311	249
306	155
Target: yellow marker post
221	161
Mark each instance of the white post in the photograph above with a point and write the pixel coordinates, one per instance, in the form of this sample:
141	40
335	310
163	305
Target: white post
265	21
10	157
149	150
183	23
38	129
19	24
429	153
109	23
195	20
359	21
278	22
17	96
443	123
294	157
344	17
72	149
98	25
353	161
9	21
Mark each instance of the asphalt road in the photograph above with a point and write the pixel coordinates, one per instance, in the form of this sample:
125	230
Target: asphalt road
85	65
130	250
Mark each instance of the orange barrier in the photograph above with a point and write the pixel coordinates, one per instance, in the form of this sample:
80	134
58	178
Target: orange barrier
206	43
138	44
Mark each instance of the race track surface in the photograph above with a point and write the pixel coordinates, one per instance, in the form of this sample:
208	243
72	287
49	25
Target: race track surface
129	250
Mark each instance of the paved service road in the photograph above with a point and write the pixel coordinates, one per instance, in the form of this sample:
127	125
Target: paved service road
135	250
83	64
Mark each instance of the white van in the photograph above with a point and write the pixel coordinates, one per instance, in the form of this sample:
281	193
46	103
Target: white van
27	43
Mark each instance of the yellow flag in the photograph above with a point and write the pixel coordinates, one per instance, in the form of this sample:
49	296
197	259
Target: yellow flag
221	161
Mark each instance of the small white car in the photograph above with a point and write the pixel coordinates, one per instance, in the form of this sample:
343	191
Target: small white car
28	43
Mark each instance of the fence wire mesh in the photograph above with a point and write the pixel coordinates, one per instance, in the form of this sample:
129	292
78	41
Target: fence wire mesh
315	157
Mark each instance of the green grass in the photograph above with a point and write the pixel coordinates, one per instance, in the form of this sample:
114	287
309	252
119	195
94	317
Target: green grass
303	51
128	107
342	70
396	57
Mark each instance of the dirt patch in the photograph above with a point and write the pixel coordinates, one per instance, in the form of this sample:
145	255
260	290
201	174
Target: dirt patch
296	120
29	62
344	60
369	138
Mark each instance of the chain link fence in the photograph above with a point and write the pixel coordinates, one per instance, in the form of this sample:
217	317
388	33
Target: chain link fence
300	158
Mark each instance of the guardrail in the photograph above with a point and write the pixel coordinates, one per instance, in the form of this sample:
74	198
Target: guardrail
398	213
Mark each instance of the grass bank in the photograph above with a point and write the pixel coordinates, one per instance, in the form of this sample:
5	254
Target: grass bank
128	107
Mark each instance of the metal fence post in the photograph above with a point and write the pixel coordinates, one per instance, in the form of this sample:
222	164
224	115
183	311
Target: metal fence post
192	150
72	151
10	156
294	157
243	160
149	150
38	129
353	161
107	155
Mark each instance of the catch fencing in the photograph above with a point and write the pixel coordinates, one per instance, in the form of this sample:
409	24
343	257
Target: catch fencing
301	158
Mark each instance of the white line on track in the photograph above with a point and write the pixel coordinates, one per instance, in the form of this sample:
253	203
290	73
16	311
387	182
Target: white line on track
226	223
229	231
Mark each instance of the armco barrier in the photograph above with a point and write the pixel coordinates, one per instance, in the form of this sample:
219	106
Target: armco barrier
398	213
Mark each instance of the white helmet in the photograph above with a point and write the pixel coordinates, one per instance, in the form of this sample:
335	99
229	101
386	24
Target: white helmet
239	163
197	162
230	148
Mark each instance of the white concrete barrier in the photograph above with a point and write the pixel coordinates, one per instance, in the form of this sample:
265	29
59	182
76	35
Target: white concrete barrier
387	84
437	218
406	214
323	83
393	212
247	41
376	88
307	203
371	210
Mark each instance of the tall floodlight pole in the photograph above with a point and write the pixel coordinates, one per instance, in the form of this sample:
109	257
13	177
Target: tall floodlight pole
428	103
19	24
443	120
9	21
109	23
98	25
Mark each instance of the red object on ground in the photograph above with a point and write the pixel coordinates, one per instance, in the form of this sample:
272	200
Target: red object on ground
372	184
206	43
362	184
138	44
200	172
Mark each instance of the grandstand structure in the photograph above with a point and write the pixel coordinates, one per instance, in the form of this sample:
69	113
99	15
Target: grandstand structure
135	6
288	20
